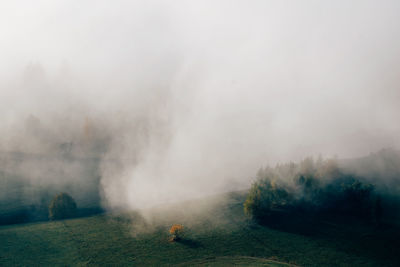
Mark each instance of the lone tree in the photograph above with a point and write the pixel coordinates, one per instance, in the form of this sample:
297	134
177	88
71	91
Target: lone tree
176	231
61	207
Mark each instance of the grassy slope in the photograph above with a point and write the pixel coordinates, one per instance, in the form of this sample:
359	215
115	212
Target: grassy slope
226	239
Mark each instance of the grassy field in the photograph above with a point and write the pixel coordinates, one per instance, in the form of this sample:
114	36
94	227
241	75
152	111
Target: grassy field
216	235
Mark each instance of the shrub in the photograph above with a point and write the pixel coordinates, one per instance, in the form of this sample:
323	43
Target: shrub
61	207
176	231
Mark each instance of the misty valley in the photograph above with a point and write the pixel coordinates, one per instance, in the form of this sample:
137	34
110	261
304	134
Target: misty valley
199	133
315	204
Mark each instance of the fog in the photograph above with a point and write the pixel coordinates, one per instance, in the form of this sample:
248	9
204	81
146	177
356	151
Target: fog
182	99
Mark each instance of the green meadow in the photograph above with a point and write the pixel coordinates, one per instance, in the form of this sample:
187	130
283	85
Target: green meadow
217	233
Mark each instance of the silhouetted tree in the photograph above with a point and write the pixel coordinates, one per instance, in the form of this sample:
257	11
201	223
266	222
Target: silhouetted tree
62	206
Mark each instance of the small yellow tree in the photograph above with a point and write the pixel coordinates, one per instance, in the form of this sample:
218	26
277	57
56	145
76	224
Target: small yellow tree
176	231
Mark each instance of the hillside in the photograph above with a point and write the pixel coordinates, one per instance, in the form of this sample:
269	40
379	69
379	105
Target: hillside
222	237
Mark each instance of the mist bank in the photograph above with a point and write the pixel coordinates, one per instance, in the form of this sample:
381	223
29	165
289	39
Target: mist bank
172	139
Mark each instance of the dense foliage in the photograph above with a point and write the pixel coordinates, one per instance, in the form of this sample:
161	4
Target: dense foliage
62	206
311	188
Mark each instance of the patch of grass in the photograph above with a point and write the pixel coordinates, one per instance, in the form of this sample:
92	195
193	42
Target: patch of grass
218	236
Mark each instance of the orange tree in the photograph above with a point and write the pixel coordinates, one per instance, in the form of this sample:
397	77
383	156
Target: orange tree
176	231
